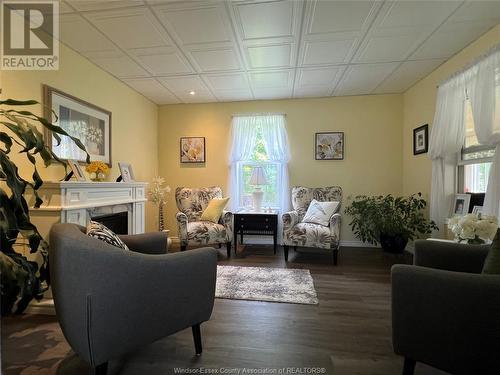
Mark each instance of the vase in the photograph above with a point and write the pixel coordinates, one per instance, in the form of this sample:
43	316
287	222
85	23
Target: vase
393	243
471	241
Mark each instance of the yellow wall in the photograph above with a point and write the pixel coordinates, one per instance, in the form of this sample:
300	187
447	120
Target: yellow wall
134	118
372	126
419	107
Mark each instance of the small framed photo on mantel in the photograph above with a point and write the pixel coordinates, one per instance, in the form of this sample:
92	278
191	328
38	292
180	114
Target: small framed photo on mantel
421	139
461	204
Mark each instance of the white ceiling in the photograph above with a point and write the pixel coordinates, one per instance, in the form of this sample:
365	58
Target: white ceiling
250	50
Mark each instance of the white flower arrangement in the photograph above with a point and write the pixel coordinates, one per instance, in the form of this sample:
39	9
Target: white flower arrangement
158	193
473	229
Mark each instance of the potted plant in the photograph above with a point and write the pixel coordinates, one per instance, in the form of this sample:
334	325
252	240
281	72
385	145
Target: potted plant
158	195
23	279
473	229
388	220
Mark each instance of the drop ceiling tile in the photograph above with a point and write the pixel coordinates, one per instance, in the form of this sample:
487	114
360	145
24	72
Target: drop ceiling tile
266	20
201	96
327	51
161	61
131	28
313	91
120	66
219	82
404	14
152	90
182	85
315	77
273	56
233	95
272	79
450	39
85	5
363	79
81	35
388	48
216	60
478	11
340	16
407	75
65	8
191	25
264	94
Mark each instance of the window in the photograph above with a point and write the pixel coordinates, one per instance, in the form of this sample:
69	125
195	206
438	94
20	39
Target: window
259	141
272	170
475	160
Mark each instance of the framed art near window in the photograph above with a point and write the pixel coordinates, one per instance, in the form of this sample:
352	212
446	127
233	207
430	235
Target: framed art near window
421	139
192	150
126	172
461	204
85	121
329	146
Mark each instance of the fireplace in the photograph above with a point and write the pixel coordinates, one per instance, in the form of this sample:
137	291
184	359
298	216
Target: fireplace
117	222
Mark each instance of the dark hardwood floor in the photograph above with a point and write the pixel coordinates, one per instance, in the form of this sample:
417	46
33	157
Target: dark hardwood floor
349	332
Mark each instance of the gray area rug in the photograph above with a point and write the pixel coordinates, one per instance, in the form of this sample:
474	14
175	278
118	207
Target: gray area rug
266	284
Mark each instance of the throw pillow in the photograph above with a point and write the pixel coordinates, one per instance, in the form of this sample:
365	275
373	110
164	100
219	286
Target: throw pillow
103	233
320	212
214	210
492	261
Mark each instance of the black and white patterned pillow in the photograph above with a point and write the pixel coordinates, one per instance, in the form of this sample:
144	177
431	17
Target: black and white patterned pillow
103	233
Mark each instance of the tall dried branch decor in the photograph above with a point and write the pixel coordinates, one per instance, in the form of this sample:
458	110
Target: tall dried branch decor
23	279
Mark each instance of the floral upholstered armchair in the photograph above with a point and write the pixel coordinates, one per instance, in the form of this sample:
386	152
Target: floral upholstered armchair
296	233
191	203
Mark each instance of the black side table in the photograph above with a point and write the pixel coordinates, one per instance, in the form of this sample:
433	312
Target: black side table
255	223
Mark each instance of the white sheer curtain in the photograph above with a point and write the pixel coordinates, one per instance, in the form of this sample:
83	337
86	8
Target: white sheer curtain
243	136
446	141
483	96
243	142
276	141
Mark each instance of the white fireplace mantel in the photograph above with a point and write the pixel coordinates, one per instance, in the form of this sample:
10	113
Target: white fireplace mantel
76	202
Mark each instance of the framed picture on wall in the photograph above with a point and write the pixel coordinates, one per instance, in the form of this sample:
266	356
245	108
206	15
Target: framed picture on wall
461	204
85	121
192	150
421	139
329	146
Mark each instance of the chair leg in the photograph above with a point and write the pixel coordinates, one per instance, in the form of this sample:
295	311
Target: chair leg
197	339
335	256
409	366
285	249
295	248
102	369
220	245
183	247
228	247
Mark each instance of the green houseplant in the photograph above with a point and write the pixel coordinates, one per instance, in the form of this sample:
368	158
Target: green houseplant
388	220
22	279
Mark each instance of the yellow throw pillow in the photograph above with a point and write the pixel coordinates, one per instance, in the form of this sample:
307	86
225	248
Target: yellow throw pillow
214	210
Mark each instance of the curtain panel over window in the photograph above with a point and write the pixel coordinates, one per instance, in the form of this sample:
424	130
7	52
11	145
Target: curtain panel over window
244	137
479	83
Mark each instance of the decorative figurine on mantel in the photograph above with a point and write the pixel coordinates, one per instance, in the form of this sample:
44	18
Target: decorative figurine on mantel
158	195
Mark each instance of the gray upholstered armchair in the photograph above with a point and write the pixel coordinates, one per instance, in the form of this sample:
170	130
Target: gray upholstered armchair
191	203
296	233
445	313
111	301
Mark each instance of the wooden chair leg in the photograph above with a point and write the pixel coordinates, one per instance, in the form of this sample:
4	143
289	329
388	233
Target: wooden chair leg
197	339
183	247
285	249
228	247
295	248
102	369
409	366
